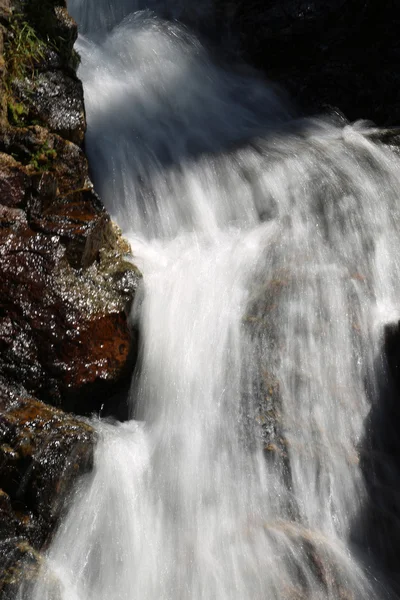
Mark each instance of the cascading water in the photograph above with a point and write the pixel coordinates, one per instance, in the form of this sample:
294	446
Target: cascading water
271	260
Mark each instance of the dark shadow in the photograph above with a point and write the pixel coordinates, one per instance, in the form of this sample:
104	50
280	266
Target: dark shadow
377	528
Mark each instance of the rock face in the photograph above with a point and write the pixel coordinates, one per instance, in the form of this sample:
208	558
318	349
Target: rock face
42	452
65	286
65	283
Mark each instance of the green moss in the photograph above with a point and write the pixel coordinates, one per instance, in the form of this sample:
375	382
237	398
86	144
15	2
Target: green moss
42	15
23	49
16	113
43	159
23	52
75	60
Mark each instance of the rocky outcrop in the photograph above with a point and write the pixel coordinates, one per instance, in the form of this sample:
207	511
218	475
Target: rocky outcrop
66	286
43	451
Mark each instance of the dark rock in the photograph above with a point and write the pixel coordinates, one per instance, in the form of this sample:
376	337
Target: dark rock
14	182
65	286
8	524
42	452
20	568
54	99
392	350
42	152
65	27
60	329
65	289
79	220
377	526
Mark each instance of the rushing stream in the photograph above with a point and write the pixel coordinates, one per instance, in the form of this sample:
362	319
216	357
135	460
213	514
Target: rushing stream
271	260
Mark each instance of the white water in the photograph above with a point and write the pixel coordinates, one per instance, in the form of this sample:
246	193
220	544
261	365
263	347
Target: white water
271	264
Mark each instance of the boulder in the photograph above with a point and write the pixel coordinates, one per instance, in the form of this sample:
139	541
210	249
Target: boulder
65	286
43	451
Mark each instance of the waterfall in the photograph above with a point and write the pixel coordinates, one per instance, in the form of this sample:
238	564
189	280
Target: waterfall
271	259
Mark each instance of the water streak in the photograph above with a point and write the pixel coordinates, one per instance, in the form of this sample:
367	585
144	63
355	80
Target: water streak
271	262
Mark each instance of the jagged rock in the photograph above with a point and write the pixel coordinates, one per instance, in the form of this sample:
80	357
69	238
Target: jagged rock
14	182
20	568
54	99
61	329
42	452
65	286
8	526
65	290
21	565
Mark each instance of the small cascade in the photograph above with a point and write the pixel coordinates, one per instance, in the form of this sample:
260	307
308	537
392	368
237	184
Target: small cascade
270	249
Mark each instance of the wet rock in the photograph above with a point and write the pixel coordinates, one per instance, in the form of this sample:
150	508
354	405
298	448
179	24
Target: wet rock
39	152
21	565
7	519
377	526
42	452
14	182
54	99
260	325
65	27
79	220
62	330
312	562
392	350
65	288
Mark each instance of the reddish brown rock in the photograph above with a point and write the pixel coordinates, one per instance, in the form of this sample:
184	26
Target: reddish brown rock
60	329
79	220
65	286
14	182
